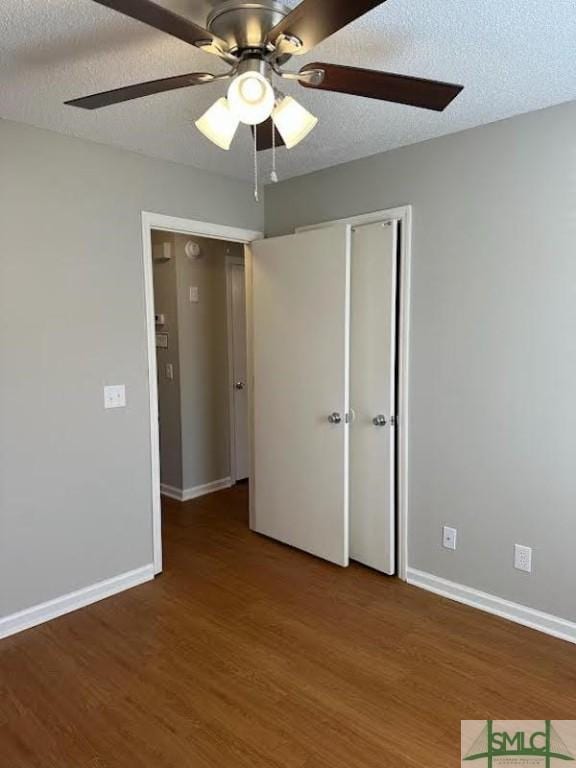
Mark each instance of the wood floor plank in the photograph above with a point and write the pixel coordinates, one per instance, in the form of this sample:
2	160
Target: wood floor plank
249	654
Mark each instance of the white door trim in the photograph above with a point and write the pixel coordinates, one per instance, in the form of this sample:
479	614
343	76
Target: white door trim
159	221
403	214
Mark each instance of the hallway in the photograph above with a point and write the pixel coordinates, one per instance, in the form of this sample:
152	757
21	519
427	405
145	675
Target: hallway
248	654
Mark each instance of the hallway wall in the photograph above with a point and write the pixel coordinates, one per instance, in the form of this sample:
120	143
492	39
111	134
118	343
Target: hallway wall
169	416
204	362
194	406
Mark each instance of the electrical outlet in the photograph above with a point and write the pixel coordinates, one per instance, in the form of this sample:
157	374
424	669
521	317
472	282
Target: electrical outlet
523	558
115	396
449	537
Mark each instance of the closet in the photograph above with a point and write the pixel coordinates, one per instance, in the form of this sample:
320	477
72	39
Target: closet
323	331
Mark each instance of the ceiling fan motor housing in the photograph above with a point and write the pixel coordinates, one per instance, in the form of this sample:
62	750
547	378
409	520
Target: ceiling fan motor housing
245	26
252	61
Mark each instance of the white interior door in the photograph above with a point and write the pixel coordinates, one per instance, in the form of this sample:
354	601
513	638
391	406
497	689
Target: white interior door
239	366
300	319
372	395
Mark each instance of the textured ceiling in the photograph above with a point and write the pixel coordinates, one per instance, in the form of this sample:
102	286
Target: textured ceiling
512	56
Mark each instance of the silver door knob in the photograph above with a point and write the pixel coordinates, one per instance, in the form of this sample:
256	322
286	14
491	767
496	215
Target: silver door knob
379	421
239	385
335	418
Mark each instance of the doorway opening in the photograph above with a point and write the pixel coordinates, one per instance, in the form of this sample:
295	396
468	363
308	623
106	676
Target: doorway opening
196	315
200	319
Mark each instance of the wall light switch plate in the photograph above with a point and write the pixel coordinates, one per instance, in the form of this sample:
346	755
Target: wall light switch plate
169	371
449	537
115	396
523	558
194	294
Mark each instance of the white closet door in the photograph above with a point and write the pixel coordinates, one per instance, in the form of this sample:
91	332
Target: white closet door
300	300
372	395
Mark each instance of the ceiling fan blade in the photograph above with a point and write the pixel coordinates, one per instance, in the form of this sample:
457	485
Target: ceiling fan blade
167	21
264	135
107	98
314	20
401	89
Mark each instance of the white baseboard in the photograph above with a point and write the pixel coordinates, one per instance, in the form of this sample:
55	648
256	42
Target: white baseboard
171	491
38	614
199	490
521	614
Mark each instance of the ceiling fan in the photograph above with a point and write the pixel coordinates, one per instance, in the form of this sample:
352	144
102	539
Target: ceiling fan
257	40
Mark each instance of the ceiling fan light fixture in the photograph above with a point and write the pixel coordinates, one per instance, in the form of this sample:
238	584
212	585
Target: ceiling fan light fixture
251	98
219	124
293	121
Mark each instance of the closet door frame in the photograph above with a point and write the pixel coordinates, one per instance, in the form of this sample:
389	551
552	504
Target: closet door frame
403	215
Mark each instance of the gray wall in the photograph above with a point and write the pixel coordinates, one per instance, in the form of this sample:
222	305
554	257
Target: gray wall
493	346
169	416
75	502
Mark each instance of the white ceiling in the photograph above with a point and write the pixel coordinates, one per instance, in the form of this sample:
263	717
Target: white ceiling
512	56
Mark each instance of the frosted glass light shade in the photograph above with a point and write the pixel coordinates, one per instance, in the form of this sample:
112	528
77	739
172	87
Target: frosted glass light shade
294	122
251	98
219	124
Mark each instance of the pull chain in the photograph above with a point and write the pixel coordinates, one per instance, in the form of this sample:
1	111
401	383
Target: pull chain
273	175
256	196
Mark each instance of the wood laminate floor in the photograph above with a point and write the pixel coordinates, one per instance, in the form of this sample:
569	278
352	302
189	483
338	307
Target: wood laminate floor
248	654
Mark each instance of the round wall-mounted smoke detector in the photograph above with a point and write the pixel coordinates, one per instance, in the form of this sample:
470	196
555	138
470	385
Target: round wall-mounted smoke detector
192	250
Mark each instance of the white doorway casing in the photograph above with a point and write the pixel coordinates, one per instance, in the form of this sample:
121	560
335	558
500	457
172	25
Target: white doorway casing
158	221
